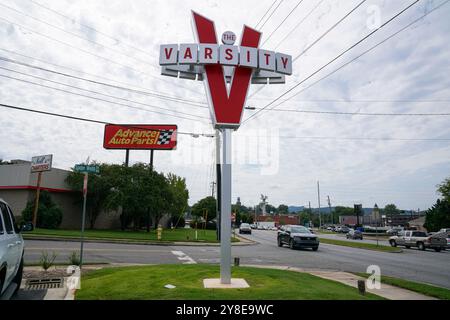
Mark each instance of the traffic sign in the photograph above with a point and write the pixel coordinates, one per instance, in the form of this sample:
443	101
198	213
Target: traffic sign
84	168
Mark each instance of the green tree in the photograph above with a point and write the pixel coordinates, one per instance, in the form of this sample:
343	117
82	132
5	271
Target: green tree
100	187
391	210
438	216
283	209
444	189
343	211
271	209
49	215
178	206
203	206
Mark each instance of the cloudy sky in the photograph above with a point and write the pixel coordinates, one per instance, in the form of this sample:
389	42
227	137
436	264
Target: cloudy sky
357	158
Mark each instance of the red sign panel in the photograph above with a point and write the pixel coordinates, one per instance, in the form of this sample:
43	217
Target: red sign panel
227	105
140	137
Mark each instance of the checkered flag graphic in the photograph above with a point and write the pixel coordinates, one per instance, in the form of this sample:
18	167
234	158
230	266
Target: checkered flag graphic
165	136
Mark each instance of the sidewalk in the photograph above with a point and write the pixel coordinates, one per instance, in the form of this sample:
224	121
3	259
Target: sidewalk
349	279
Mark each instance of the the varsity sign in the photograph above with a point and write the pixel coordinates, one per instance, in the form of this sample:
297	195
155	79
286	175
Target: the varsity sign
218	65
140	137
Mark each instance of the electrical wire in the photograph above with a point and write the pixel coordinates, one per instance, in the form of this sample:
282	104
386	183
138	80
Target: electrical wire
329	30
276	8
95	98
282	22
359	113
208	135
100	93
143	91
331	61
267	11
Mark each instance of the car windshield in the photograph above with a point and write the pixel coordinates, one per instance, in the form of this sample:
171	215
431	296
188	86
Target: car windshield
300	230
245	225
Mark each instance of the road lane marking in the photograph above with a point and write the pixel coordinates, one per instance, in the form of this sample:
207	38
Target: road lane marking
184	257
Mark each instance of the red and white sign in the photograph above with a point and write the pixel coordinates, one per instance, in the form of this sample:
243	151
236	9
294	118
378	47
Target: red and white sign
140	137
41	163
210	62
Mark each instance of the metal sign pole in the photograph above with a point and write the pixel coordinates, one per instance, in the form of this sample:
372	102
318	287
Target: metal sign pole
36	203
218	177
225	212
83	218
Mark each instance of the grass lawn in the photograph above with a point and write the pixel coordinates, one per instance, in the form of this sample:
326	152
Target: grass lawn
423	288
147	282
360	245
168	235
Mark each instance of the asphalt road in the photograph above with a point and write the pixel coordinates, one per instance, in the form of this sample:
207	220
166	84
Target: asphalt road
424	266
341	236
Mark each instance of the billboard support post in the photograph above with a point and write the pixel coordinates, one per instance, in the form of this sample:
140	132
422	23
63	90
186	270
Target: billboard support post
127	157
225	212
151	159
83	217
36	203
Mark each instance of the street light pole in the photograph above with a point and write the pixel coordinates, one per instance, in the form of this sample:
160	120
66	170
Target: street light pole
225	211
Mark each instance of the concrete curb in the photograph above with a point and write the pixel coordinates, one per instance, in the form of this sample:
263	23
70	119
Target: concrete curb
246	242
386	291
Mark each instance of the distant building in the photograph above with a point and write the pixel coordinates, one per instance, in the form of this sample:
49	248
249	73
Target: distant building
18	187
280	219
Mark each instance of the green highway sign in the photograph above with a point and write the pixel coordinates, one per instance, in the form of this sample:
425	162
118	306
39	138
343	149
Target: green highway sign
83	168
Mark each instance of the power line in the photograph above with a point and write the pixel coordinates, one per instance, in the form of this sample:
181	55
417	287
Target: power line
364	100
142	91
87	27
276	8
156	95
300	23
328	31
331	61
75	35
267	11
362	138
95	98
364	53
281	23
99	93
93	120
91	53
358	113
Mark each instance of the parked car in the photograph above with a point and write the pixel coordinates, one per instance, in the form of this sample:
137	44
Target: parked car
245	228
344	229
11	252
354	234
297	236
420	239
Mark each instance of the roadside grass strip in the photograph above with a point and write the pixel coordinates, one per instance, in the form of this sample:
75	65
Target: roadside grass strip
168	235
361	245
423	288
147	283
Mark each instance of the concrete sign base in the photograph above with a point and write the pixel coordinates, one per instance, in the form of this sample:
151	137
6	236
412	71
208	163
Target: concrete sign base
236	283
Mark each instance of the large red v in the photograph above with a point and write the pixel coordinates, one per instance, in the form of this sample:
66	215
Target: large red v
227	109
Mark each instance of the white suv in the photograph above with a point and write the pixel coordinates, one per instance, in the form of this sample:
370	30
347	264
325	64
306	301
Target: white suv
11	252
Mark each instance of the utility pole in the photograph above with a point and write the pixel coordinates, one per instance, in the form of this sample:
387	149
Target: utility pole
151	159
218	181
310	213
318	199
331	214
36	202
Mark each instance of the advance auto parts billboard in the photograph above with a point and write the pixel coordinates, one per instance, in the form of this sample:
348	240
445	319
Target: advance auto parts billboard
140	137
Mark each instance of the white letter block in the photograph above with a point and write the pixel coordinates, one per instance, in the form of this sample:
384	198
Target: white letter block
248	57
284	63
168	54
228	55
266	60
188	53
208	53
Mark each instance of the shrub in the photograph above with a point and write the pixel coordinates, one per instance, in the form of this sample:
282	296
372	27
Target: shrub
178	222
74	259
49	215
46	261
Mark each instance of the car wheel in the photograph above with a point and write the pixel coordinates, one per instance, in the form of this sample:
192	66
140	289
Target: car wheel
18	278
280	244
437	249
315	248
421	246
407	247
291	244
393	243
